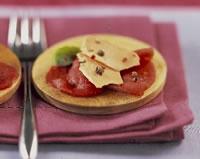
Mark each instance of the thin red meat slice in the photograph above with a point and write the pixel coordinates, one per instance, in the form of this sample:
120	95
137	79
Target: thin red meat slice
71	81
140	78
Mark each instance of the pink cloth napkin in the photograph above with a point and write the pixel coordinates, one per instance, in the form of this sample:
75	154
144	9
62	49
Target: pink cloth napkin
55	125
77	124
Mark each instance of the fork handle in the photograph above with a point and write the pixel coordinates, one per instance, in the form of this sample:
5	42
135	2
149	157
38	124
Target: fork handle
28	140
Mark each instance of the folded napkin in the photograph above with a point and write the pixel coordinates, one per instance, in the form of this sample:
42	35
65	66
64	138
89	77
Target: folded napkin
140	125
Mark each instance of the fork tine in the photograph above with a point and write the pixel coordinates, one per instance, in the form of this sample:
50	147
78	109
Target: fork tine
38	35
36	31
13	37
12	31
43	36
26	48
25	36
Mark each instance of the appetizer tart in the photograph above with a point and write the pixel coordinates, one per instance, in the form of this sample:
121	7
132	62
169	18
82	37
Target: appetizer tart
99	74
10	73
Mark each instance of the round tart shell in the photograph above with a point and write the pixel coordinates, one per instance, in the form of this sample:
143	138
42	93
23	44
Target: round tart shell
8	57
108	102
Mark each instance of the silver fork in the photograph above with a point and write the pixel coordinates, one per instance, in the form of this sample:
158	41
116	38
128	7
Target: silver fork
27	39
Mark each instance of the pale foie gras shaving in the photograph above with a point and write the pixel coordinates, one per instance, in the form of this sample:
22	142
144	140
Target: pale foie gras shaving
96	73
109	54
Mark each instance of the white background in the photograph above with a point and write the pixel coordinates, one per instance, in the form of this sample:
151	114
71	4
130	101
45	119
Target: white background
188	23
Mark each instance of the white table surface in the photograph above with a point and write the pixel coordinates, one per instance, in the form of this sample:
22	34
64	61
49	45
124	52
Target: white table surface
188	22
